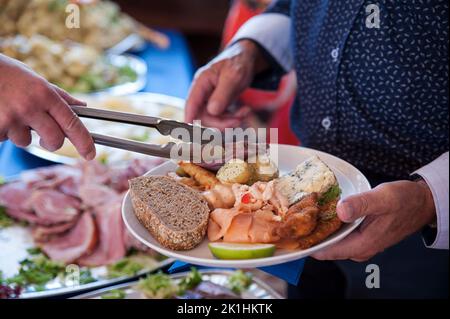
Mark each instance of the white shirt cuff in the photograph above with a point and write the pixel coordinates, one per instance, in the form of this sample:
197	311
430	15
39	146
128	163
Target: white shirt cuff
272	31
436	175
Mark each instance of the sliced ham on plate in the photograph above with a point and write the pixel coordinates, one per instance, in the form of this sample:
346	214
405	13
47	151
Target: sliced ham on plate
24	216
54	206
132	242
50	177
119	177
93	195
45	233
70	186
94	172
111	246
79	241
15	196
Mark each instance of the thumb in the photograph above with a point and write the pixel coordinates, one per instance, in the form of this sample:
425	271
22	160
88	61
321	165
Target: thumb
356	206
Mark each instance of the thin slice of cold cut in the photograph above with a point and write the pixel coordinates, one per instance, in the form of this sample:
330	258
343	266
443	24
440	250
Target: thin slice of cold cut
15	196
79	241
111	247
45	233
24	216
54	206
94	195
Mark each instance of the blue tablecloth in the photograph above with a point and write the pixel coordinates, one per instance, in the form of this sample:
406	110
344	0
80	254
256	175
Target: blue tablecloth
169	72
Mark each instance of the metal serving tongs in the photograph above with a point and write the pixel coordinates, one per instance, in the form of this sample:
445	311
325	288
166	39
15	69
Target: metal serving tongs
164	126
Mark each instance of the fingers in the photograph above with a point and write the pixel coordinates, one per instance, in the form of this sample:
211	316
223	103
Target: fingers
226	91
214	89
200	91
73	128
225	121
356	246
19	135
67	97
373	202
52	137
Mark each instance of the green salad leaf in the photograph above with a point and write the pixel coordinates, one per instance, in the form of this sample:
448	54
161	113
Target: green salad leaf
331	194
114	294
34	251
86	276
131	265
36	271
158	286
192	280
239	281
5	220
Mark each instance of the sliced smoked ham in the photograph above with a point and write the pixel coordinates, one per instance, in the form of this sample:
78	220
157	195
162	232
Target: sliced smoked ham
54	207
45	233
25	216
15	196
70	186
50	177
79	241
111	246
93	195
74	212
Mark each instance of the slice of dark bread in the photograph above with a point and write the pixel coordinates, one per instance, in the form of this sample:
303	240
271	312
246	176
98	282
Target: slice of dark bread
176	215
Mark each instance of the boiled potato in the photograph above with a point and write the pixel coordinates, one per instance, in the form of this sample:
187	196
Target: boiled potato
236	171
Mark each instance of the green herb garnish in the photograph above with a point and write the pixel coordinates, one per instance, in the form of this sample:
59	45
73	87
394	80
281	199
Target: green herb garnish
34	251
114	294
331	194
2	180
158	286
240	281
5	220
131	265
192	280
86	277
36	271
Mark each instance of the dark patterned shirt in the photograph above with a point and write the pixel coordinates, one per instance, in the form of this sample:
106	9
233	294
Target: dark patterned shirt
374	96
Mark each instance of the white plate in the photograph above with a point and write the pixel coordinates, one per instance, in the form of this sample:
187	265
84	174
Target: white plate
350	179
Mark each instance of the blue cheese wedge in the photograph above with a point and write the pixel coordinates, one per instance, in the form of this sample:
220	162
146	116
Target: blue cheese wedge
311	176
